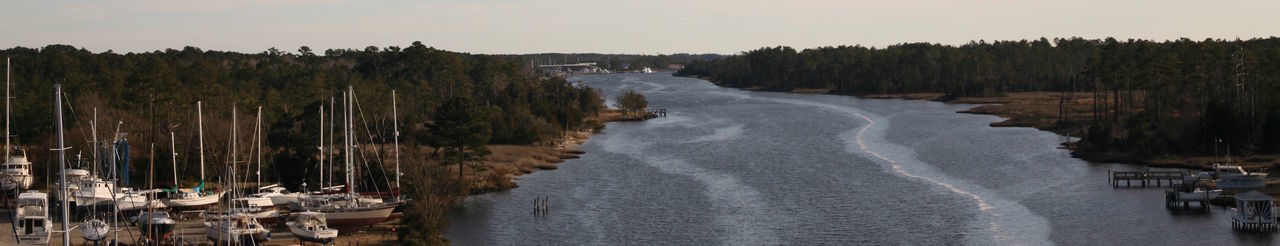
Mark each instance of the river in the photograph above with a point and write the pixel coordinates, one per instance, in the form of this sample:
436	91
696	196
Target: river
736	167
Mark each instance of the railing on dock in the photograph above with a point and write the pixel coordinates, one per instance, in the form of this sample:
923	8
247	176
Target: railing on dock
659	112
1157	178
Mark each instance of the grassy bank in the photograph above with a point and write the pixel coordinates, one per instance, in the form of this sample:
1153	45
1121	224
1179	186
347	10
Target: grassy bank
1041	110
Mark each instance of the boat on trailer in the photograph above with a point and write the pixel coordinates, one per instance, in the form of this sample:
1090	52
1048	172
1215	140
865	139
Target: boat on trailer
32	225
311	227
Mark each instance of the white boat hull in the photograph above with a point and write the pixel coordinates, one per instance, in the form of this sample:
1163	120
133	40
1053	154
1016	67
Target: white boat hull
339	217
15	182
317	236
94	230
220	231
196	202
284	200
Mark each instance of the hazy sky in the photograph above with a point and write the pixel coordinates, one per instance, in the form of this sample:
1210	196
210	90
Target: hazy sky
611	26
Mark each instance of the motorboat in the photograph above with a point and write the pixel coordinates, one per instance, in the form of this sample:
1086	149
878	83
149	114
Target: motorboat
236	228
32	225
15	173
154	224
93	191
279	195
127	200
1230	177
257	207
73	183
311	227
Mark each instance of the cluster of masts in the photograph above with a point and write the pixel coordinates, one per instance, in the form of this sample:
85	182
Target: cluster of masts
239	219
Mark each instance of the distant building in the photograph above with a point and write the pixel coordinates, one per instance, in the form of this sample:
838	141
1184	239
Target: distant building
584	67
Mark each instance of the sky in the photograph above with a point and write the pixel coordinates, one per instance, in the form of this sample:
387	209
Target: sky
611	26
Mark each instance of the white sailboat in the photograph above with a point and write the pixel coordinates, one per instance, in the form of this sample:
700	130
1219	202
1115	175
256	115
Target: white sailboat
235	225
32	225
15	173
197	197
348	209
311	227
95	229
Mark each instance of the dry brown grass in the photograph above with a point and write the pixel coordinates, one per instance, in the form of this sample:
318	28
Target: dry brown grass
810	90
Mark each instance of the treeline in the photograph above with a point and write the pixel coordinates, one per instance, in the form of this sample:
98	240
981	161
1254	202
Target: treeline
616	62
155	93
1151	98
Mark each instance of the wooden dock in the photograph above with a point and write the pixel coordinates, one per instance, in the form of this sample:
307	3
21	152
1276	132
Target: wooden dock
1157	178
1181	196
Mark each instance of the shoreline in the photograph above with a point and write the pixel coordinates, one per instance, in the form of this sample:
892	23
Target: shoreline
507	163
1040	110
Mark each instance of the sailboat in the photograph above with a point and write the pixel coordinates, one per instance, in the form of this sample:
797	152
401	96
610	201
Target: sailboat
311	227
276	195
234	225
257	206
348	209
15	173
193	198
32	224
95	229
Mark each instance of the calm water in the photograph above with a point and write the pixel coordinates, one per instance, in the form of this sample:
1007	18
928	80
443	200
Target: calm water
749	168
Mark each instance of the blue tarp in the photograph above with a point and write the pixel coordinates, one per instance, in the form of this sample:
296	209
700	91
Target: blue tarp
122	152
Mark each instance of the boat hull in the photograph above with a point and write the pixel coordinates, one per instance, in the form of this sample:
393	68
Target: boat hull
217	232
158	230
15	182
94	230
192	203
323	237
349	217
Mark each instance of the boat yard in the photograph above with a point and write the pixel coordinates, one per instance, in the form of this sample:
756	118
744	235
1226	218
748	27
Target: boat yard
191	231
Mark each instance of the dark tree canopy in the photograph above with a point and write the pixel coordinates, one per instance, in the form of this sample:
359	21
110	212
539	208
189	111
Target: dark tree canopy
460	131
1153	98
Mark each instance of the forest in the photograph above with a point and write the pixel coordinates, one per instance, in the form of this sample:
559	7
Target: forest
1176	97
151	95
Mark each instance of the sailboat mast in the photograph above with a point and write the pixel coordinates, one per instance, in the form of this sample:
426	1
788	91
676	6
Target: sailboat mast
93	124
233	150
322	157
346	138
332	116
258	130
62	165
173	148
7	73
395	125
200	123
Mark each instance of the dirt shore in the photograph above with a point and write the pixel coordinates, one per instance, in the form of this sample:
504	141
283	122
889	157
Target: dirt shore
506	163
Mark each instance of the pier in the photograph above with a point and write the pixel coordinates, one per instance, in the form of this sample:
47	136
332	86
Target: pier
1182	195
1157	178
660	112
